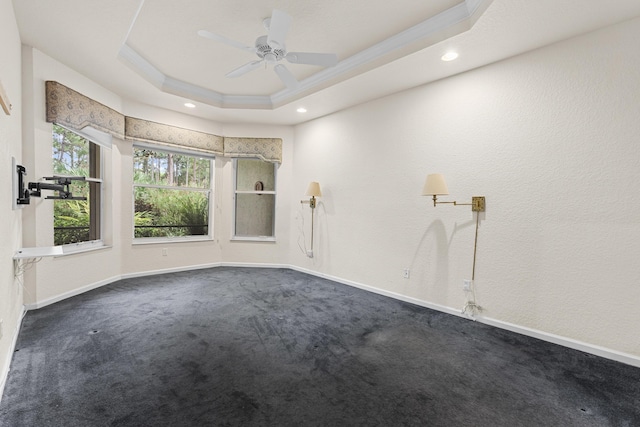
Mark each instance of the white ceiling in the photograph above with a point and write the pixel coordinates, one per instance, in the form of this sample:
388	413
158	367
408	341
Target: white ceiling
149	50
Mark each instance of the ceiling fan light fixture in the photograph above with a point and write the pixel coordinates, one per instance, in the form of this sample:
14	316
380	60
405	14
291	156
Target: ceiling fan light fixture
271	49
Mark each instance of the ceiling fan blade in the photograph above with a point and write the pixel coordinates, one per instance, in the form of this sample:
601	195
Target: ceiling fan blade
244	69
222	39
286	76
322	59
278	28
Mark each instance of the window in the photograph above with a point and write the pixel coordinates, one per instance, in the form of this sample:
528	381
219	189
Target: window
172	193
255	199
76	221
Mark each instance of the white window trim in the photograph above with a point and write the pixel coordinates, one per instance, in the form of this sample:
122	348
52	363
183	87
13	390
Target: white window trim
253	238
255	192
209	191
76	248
173	149
234	237
89	133
90	245
170	240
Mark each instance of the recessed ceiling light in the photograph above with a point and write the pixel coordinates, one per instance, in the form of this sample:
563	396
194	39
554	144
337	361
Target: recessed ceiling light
449	56
189	105
301	110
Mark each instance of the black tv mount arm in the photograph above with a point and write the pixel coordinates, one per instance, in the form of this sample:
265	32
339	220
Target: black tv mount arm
61	185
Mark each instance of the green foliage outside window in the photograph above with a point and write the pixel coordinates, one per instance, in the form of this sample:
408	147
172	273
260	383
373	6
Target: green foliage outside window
171	194
71	218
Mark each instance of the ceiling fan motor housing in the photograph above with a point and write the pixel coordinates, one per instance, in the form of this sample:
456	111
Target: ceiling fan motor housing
266	52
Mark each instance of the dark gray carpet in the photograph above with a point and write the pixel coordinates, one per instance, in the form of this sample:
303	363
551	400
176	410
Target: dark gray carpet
262	347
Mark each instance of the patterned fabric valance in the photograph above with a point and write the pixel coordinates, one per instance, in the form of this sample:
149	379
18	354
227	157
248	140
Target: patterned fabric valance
71	109
146	131
267	149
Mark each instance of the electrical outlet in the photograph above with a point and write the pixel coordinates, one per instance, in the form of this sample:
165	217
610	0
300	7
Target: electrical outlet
165	251
406	273
466	285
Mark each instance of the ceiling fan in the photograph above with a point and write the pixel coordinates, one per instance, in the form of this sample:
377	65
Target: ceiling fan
271	49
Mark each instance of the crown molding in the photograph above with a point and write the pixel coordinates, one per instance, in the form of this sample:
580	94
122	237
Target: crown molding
447	24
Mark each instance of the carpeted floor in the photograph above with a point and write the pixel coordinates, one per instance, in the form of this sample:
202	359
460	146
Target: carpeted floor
265	347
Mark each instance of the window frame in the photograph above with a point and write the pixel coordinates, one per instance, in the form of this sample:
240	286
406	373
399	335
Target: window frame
234	236
97	145
209	191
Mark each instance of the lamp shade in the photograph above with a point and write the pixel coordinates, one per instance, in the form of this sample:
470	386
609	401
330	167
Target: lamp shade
435	185
313	189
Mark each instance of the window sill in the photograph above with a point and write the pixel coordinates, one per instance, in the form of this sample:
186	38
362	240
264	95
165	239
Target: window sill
168	240
253	239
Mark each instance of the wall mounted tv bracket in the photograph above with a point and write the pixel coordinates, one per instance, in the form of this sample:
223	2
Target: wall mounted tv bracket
60	184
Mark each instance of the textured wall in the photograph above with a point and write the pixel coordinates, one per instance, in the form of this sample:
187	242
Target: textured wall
257	252
149	257
549	137
11	224
55	277
52	277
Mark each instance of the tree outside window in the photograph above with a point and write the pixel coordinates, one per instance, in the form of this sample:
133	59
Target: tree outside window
76	221
172	193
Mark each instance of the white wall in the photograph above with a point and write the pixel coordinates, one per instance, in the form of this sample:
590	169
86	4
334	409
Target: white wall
549	137
258	252
11	224
54	278
149	257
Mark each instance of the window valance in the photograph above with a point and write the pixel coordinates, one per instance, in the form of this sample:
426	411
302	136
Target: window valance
71	109
146	131
267	149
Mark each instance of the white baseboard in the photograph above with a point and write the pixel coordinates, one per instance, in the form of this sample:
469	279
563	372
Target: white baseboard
596	350
73	293
99	284
606	353
378	291
170	270
4	374
255	265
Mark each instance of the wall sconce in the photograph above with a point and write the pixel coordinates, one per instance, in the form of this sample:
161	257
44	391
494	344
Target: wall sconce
313	190
435	186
